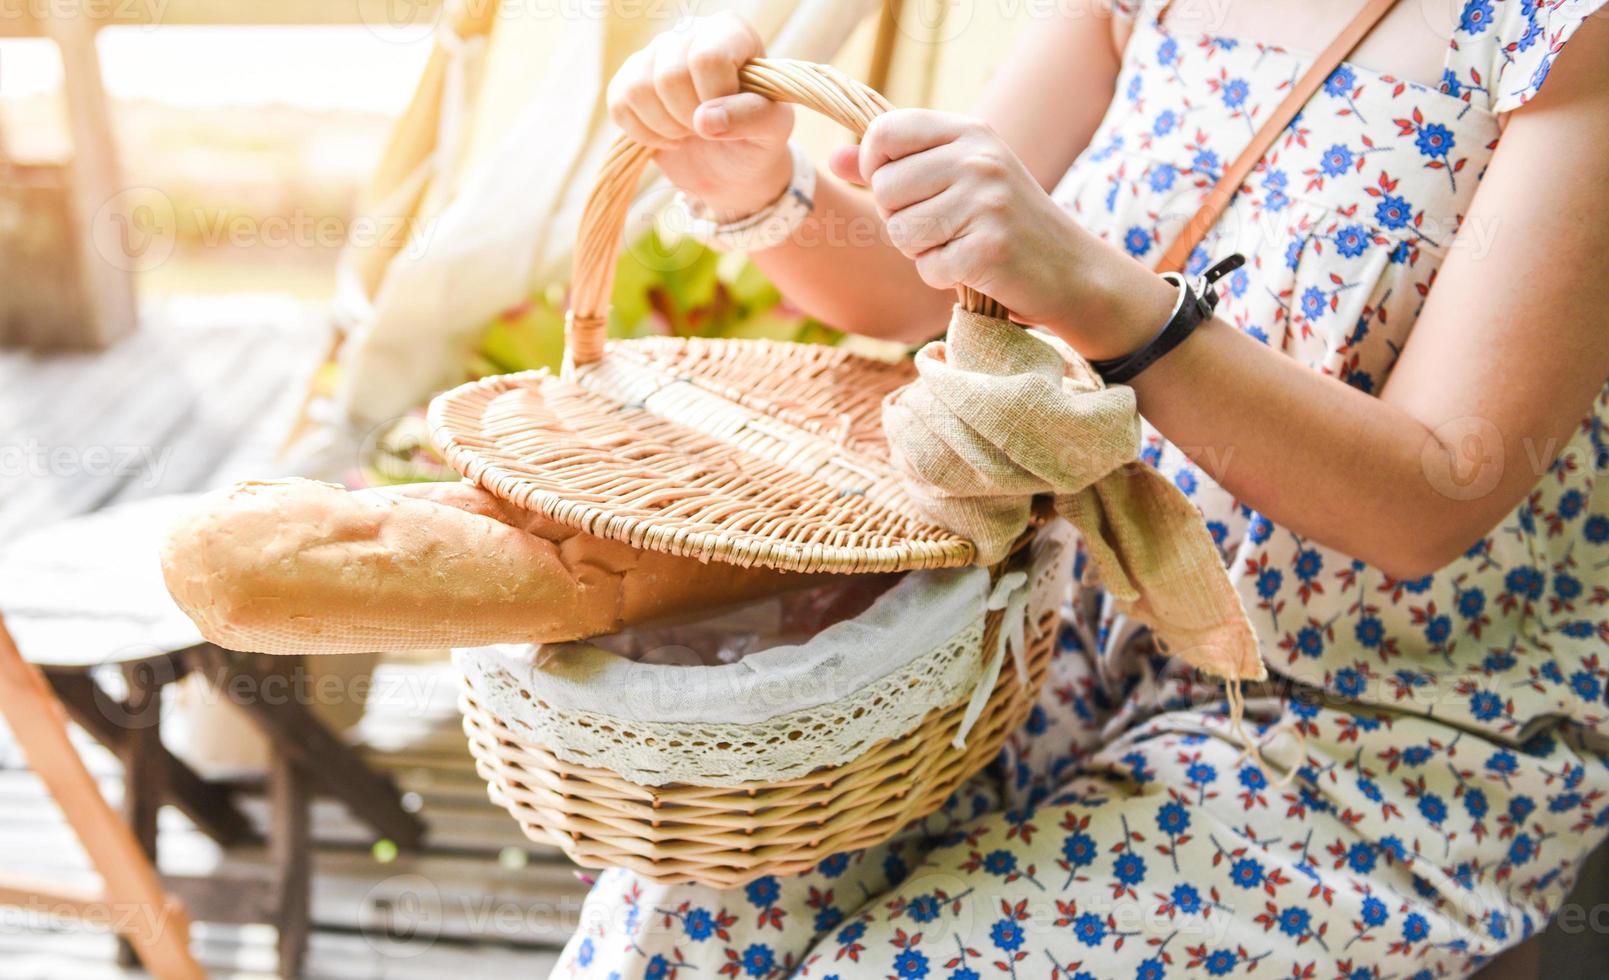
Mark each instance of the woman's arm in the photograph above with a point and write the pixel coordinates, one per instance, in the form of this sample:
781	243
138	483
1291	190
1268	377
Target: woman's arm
1505	358
728	150
1045	102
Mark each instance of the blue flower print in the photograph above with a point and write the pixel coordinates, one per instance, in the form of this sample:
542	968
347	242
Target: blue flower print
1162	177
1340	82
1129	868
1336	161
1437	629
763	892
1186	899
1149	969
1000	862
1485	705
1185	480
1201	774
1477	16
1314	303
1260	529
1137	241
1253	779
1205	162
1166	120
1585	685
1293	921
1393	212
1432	808
1220	961
1475	803
1079	850
1167	52
1293	253
1006	934
1309	641
659	968
1596	529
585	952
1525	582
1349	682
911	964
924	908
1351	241
833	865
1415	928
1173	819
1268	582
1235	93
828	918
758	960
1471	602
1374	911
1246	873
699	924
1435	141
1090	929
1308	564
1521	849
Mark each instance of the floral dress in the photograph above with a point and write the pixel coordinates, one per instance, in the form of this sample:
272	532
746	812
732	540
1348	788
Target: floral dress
1427	800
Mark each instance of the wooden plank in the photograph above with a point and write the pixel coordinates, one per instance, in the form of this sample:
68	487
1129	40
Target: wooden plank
97	190
209	805
143	782
305	741
379	14
39	724
290	851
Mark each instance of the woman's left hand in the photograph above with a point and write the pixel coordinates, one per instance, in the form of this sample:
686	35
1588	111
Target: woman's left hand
960	203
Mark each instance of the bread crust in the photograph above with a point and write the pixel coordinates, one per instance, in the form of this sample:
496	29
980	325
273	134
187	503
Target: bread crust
303	567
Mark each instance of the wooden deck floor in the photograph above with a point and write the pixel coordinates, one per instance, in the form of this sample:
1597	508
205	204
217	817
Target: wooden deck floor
199	397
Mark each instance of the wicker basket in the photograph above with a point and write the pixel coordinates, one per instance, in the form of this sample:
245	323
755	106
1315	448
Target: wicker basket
745	452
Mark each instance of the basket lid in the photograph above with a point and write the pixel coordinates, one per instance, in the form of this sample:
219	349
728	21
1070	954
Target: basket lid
744	451
751	452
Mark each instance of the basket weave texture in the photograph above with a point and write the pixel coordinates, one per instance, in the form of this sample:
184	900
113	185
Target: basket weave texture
744	452
728	836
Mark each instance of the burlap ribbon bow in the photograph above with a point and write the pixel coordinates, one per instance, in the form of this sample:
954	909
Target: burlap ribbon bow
999	415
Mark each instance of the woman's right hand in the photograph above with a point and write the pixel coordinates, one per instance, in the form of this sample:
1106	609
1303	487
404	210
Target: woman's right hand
679	96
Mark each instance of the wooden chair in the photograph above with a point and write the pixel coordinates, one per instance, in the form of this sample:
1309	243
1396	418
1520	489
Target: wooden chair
131	884
85	597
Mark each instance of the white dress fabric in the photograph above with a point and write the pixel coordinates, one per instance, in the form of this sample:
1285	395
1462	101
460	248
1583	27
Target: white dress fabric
1449	778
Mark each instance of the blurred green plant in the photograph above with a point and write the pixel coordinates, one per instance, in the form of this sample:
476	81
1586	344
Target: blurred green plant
706	294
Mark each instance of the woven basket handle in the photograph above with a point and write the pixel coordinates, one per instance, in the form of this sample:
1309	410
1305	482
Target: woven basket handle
819	87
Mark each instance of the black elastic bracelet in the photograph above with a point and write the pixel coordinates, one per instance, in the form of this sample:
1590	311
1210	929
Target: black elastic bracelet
1191	310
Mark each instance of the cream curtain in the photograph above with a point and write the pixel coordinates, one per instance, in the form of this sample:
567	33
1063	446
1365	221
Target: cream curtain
476	201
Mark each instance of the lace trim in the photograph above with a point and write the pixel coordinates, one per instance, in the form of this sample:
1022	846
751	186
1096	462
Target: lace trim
789	745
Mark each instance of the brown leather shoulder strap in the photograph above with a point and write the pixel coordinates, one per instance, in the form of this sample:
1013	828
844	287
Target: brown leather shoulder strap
1174	259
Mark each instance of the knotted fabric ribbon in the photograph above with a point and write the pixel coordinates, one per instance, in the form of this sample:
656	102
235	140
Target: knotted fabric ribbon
1010	594
999	415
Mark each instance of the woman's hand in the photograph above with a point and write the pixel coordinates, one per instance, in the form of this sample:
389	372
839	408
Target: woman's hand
680	97
961	204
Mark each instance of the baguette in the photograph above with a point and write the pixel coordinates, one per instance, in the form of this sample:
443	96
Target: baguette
301	567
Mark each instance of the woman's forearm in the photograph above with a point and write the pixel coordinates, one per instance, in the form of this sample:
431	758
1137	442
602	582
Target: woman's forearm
1305	450
840	268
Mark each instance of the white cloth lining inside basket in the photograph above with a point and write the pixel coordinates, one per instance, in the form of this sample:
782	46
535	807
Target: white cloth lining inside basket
781	712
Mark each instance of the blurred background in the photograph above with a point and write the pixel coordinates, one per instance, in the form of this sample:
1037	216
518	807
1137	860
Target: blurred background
242	239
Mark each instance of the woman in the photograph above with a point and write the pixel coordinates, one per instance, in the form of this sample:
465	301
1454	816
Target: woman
1394	428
